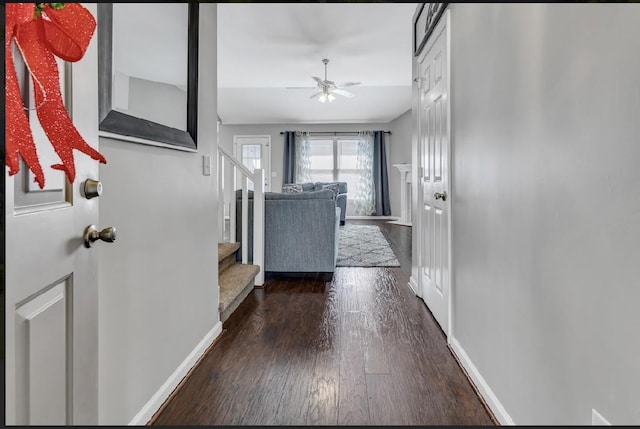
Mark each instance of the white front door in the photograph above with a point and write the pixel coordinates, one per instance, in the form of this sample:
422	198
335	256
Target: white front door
255	152
433	140
51	305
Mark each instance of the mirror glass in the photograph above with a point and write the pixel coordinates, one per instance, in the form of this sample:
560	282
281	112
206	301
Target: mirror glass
150	58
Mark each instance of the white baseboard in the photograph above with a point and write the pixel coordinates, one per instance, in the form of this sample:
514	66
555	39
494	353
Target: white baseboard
372	217
400	222
156	401
481	385
413	285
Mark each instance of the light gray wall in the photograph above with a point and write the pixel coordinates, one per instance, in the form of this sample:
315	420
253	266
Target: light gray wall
546	206
398	152
158	281
394	144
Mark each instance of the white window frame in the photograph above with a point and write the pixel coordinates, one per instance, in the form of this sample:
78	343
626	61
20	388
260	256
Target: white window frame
336	159
336	170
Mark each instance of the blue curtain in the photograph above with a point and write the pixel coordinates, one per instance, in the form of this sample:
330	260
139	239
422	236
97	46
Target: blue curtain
380	176
289	162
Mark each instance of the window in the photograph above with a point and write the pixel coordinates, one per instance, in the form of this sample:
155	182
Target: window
340	159
253	152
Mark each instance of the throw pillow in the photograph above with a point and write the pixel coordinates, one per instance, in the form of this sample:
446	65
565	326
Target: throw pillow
291	188
334	187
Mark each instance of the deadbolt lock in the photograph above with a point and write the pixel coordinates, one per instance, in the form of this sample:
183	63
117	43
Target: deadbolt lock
92	188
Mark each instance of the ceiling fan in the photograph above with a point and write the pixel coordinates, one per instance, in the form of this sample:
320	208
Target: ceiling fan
326	88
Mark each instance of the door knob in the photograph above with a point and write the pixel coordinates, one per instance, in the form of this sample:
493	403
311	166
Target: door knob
92	188
440	195
91	234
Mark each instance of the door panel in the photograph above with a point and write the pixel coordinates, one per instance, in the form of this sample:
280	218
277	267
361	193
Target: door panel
433	129
46	153
51	279
437	154
437	67
43	342
439	237
27	193
426	148
427	231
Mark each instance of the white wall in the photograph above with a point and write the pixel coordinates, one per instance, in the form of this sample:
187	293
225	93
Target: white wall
396	144
546	206
158	281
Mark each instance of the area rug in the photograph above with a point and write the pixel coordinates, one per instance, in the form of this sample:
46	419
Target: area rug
364	246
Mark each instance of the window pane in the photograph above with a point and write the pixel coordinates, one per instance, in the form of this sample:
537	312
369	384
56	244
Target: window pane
321	177
252	164
251	156
347	154
321	154
250	151
351	179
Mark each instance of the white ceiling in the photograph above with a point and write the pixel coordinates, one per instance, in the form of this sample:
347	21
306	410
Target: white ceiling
265	48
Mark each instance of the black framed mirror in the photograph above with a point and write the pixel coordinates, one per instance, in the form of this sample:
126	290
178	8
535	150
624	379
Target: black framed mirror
131	124
424	22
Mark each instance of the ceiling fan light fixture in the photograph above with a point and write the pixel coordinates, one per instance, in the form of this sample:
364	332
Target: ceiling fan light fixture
326	88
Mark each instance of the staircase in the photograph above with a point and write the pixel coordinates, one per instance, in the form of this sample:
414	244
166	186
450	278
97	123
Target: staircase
236	280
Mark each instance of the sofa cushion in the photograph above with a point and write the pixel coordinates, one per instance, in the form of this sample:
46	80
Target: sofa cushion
325	194
292	188
341	185
334	187
308	186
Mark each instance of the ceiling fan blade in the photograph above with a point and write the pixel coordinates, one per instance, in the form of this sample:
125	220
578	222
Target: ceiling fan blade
317	79
340	85
343	93
316	94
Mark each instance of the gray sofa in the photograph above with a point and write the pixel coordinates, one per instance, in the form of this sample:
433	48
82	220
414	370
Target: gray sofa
301	231
341	199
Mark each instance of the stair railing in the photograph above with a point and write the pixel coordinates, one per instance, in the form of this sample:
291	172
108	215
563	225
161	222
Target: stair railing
231	174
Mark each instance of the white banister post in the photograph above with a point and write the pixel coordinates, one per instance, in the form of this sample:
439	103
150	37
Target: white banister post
245	220
232	208
220	197
258	224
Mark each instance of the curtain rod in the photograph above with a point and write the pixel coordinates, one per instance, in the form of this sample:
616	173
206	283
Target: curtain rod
335	133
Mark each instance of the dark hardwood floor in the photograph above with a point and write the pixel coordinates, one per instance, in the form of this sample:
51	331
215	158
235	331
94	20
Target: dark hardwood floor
359	350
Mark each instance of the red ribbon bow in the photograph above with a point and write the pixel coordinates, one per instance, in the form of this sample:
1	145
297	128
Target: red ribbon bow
65	33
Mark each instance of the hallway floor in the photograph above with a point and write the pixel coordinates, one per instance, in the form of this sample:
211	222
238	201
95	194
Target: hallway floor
359	350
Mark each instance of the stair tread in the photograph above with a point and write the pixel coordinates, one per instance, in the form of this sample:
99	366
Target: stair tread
226	249
234	280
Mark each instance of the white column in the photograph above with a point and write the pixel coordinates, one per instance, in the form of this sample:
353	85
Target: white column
405	195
